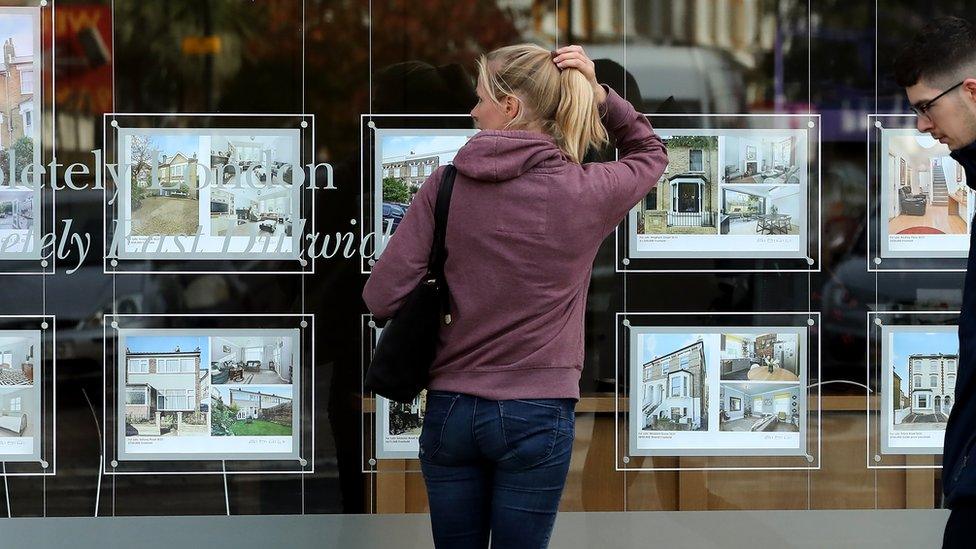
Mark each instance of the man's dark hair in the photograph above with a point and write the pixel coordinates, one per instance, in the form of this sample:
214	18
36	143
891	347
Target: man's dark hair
942	50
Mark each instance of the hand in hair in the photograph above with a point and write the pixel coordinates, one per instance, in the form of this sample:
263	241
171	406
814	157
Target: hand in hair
573	57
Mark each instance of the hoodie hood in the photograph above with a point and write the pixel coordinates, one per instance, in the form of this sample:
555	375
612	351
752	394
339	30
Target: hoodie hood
501	155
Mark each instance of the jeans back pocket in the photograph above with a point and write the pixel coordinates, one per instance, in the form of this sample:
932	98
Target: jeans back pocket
439	407
530	429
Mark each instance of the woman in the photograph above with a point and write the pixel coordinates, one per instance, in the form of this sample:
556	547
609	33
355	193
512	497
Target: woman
526	220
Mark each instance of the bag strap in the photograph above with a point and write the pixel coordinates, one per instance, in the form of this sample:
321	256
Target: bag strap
438	251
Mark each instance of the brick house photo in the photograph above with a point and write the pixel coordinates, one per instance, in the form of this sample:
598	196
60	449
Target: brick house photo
686	199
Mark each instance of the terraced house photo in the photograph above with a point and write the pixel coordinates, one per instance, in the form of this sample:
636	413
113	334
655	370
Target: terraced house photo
167	202
686	199
924	369
674	394
167	386
252	411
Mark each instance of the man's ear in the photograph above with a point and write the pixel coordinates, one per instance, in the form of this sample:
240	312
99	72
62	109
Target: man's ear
969	87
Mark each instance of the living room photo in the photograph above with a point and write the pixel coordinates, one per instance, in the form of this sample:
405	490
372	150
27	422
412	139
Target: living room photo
759	407
673	388
760	357
167	385
925	189
766	158
18	355
251	360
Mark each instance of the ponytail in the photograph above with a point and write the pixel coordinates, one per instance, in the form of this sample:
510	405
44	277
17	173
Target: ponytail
578	116
562	102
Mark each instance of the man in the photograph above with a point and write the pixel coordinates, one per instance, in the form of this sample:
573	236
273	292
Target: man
938	71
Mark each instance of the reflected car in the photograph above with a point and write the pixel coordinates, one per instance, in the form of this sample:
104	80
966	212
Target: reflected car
393	213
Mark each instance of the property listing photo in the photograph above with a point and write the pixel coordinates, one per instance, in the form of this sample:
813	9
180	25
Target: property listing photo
251	360
21	70
923	379
760	357
17	359
761	210
406	419
167	204
673	387
16	408
251	411
406	161
759	407
768	159
167	385
925	188
16	208
685	199
252	192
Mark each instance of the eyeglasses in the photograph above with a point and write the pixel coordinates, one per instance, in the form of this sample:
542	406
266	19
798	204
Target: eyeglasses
922	109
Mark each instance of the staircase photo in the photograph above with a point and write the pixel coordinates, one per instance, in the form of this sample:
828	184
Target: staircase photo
940	191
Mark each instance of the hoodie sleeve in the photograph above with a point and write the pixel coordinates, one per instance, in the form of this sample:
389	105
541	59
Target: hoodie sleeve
403	262
642	158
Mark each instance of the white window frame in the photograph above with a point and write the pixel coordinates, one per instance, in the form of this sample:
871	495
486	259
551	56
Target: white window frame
143	364
29	89
691	167
16	404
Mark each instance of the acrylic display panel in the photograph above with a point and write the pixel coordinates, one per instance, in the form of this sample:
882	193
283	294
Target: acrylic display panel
739	193
390	430
921	206
26	203
913	360
399	155
731	386
238	189
27	416
232	391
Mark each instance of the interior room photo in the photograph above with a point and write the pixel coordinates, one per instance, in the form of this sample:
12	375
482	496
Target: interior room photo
760	357
926	188
16	406
16	209
770	160
17	359
759	407
251	360
249	211
761	210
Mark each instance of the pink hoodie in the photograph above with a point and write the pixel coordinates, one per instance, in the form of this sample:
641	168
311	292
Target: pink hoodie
524	227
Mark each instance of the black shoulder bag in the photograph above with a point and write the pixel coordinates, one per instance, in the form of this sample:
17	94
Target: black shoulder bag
401	362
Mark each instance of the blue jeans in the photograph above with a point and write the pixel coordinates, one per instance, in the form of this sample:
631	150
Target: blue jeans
495	467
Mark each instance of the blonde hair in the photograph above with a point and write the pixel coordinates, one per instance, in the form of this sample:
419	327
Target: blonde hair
561	101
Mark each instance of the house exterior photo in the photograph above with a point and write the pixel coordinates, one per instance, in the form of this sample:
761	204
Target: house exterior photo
686	199
932	379
252	403
178	170
413	171
166	382
17	118
673	390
